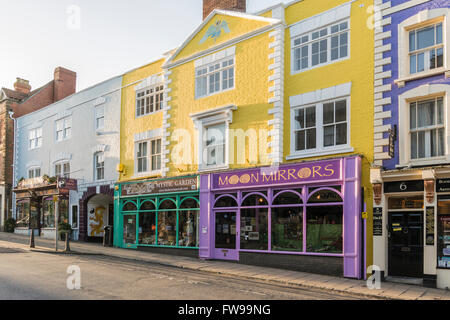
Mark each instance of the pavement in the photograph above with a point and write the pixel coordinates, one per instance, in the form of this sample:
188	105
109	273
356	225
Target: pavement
389	291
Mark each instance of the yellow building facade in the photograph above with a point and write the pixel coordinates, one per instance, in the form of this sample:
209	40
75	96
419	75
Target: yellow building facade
262	143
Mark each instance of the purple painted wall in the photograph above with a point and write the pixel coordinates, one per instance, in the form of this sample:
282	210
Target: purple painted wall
347	173
397	18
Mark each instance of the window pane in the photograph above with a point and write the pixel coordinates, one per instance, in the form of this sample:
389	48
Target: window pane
188	229
426	114
441	142
300	119
412	116
440	111
254	200
328	113
75	217
48	214
226	202
440	57
310	117
254	229
300	141
167	224
439	33
413	64
311	139
425	37
433	143
324	229
287	229
323	50
420	62
412	41
341	134
287	198
414	145
341	111
147	228
421	145
328	136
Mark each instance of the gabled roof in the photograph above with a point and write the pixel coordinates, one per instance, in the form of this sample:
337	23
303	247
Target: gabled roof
270	22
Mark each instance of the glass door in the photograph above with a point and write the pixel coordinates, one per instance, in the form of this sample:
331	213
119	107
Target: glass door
226	235
129	231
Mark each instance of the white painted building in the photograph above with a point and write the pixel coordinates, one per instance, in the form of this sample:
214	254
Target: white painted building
77	138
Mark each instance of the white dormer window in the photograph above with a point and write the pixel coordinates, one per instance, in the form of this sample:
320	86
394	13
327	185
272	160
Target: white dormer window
35	138
149	100
64	129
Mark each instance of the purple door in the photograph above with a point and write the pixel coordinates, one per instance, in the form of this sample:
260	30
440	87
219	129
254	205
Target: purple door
226	235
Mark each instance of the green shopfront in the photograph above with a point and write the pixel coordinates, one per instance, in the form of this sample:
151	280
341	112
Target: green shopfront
158	215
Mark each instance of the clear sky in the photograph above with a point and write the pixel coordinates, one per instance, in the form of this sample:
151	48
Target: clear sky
98	39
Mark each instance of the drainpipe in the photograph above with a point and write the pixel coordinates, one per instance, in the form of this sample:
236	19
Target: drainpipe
13	204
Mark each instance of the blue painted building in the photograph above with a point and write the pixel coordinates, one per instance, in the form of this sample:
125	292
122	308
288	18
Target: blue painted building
411	172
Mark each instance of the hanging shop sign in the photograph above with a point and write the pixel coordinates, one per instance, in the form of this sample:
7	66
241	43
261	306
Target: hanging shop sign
378	222
300	173
430	226
392	140
443	185
404	186
160	186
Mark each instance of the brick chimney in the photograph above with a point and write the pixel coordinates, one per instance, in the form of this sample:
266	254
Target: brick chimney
65	83
233	5
22	86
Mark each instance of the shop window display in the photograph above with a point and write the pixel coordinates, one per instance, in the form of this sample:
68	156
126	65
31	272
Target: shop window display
63	211
188	229
444	233
287	229
167	224
254	229
22	215
286	198
226	202
48	213
130	206
324	229
147	228
255	200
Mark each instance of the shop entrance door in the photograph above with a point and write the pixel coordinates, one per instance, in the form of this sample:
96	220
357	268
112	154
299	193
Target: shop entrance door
406	244
226	235
129	231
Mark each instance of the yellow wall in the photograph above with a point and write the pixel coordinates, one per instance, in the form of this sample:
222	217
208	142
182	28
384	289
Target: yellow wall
130	125
358	70
250	96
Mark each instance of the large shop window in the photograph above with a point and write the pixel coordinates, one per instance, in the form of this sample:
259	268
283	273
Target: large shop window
443	256
321	47
23	214
426	48
48	216
166	225
427	129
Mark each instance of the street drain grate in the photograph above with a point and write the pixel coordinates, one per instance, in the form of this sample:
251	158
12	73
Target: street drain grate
10	250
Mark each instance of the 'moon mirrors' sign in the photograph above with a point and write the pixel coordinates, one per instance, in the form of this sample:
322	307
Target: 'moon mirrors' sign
289	174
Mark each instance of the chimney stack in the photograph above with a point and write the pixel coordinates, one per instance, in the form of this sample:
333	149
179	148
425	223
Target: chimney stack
65	83
233	5
22	86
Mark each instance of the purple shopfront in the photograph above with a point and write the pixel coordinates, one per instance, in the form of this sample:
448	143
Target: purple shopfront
304	217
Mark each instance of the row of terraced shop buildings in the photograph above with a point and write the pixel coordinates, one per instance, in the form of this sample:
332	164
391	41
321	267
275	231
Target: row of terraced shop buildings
311	136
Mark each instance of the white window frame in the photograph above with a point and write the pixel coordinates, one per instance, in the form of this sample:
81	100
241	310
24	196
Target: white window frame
34	170
35	138
147	93
318	99
422	19
63	173
99	114
203	120
422	93
66	129
150	170
96	156
207	73
310	42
